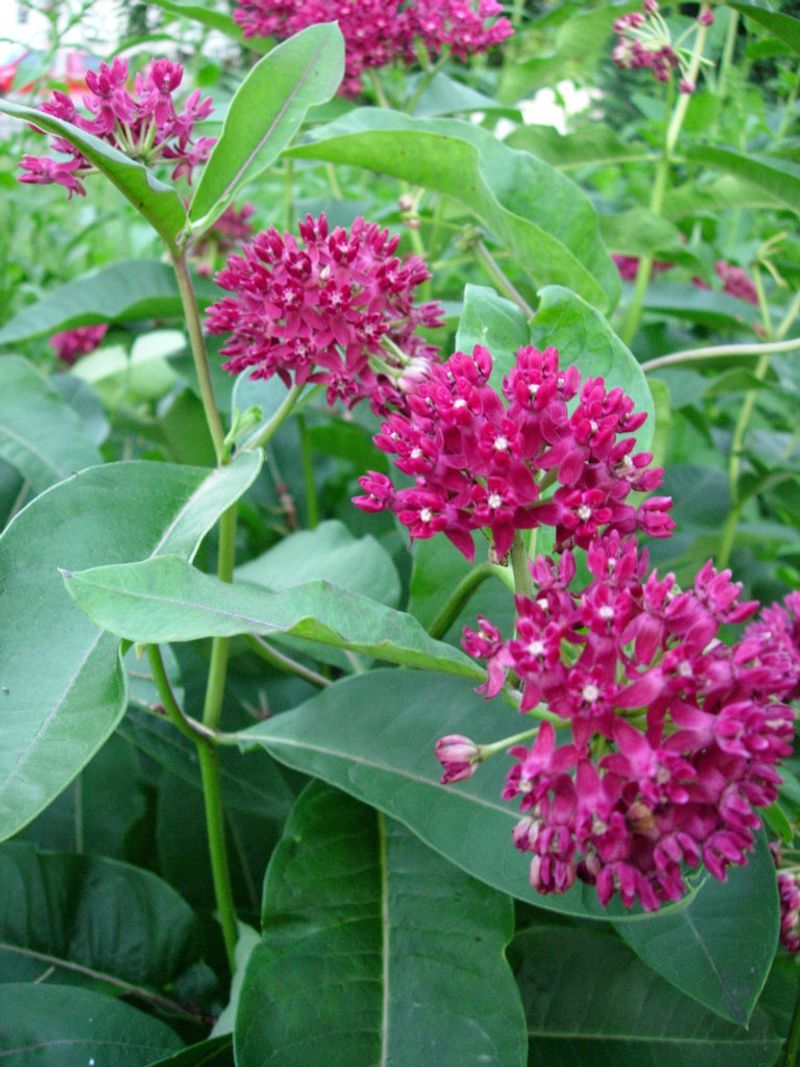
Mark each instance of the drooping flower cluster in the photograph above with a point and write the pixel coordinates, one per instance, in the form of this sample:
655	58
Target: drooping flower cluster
144	124
232	227
70	344
644	42
380	32
335	307
674	736
479	463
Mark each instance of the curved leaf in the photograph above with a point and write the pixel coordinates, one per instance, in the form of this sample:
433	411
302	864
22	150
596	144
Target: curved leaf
777	177
40	434
216	1052
396	955
544	220
56	719
165	600
591	146
266	112
786	28
155	200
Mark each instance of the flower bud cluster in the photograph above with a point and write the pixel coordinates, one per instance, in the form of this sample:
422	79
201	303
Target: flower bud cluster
789	892
380	32
335	307
670	737
478	462
644	42
144	124
70	344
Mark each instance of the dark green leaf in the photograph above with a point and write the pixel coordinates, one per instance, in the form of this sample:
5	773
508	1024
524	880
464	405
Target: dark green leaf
706	307
782	26
638	232
266	112
216	1052
157	201
776	177
395	954
84	400
56	719
167	600
40	434
494	322
63	1026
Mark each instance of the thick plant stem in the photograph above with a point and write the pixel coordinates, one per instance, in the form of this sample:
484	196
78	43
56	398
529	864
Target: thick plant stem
168	701
452	607
215	828
523	582
261	437
192	316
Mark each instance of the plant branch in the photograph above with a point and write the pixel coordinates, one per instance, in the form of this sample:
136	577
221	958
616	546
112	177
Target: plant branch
455	602
691	355
260	437
285	663
497	274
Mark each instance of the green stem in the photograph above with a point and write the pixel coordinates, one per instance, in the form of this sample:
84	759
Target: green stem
192	316
455	602
380	96
523	583
260	438
497	274
285	663
215	828
793	1040
307	455
288	194
425	80
168	701
690	355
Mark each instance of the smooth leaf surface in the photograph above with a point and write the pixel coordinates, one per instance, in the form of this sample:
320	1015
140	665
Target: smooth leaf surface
588	999
777	177
782	26
396	955
216	1052
167	600
373	736
594	145
40	434
63	1026
583	337
56	719
494	322
545	220
156	201
266	112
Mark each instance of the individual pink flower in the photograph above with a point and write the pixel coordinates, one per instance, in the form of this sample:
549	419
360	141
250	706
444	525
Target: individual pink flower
144	124
335	307
480	460
673	736
77	342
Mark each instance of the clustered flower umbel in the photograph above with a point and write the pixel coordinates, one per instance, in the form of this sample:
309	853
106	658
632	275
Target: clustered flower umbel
672	737
144	124
644	42
335	307
735	281
380	32
70	344
479	462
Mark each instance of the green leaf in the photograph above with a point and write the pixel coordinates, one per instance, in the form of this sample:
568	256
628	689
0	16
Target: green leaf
584	338
56	719
216	1052
88	920
446	96
155	200
706	307
719	949
542	217
373	735
127	291
591	146
709	196
494	322
588	999
329	553
777	177
214	20
165	600
638	232
786	28
395	954
266	112
63	1026
40	434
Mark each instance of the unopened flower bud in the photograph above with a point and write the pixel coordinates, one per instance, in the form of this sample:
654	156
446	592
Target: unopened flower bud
459	756
706	18
687	86
405	203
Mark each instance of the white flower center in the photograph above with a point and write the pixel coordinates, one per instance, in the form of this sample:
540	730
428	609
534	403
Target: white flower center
590	693
416	453
536	648
501	444
425	515
606	612
495	501
584	512
460	403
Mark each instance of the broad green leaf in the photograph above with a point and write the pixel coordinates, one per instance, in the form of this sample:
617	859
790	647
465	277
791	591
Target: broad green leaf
638	232
706	307
373	735
40	434
167	600
64	1026
56	719
583	337
86	919
216	1052
156	201
777	177
709	196
786	28
127	291
494	322
588	999
590	146
329	553
446	96
719	949
85	402
266	112
542	217
214	20
396	955
245	944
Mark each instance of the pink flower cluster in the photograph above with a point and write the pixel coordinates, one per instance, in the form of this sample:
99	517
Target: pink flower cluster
231	227
380	32
736	282
674	736
78	342
789	891
336	307
628	266
644	42
478	462
144	124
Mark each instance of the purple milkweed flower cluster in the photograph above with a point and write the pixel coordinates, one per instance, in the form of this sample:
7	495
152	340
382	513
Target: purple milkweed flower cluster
628	266
789	892
673	735
70	344
644	42
335	307
144	124
482	460
380	32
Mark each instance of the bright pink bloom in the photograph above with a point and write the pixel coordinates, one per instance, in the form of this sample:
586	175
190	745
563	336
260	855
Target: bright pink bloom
789	889
736	282
459	756
628	266
317	309
73	343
